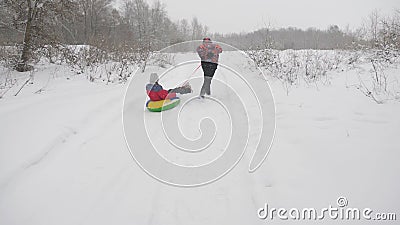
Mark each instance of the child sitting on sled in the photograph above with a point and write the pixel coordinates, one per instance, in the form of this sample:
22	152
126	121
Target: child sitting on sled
156	92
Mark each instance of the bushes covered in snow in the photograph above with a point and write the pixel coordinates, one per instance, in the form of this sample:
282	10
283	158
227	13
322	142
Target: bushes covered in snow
293	67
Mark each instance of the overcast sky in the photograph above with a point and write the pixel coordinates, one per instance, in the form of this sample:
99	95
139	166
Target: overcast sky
227	16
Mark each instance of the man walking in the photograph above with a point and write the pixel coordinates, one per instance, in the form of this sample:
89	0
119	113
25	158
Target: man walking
209	55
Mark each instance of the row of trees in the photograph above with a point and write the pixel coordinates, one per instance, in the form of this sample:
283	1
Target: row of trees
377	31
136	26
292	38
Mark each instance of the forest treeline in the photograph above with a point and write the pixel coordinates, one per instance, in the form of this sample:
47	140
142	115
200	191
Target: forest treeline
139	27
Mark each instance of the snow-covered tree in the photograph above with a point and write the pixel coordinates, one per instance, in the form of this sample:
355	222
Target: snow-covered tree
38	21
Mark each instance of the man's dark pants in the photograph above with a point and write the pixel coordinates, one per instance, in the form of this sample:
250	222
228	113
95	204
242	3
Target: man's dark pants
209	71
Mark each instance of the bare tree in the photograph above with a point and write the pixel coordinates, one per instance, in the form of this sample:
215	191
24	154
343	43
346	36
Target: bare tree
373	20
37	20
198	31
94	12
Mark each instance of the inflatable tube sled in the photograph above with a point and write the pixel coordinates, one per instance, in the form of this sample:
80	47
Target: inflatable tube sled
162	105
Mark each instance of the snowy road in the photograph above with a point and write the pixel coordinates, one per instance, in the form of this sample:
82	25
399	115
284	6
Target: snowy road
64	160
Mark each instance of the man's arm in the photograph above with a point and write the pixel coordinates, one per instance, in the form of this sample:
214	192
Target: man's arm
219	48
200	51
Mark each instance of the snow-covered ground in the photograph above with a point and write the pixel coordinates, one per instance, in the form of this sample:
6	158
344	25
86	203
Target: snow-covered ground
64	159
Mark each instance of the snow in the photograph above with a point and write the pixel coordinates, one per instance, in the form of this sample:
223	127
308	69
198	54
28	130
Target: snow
64	159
